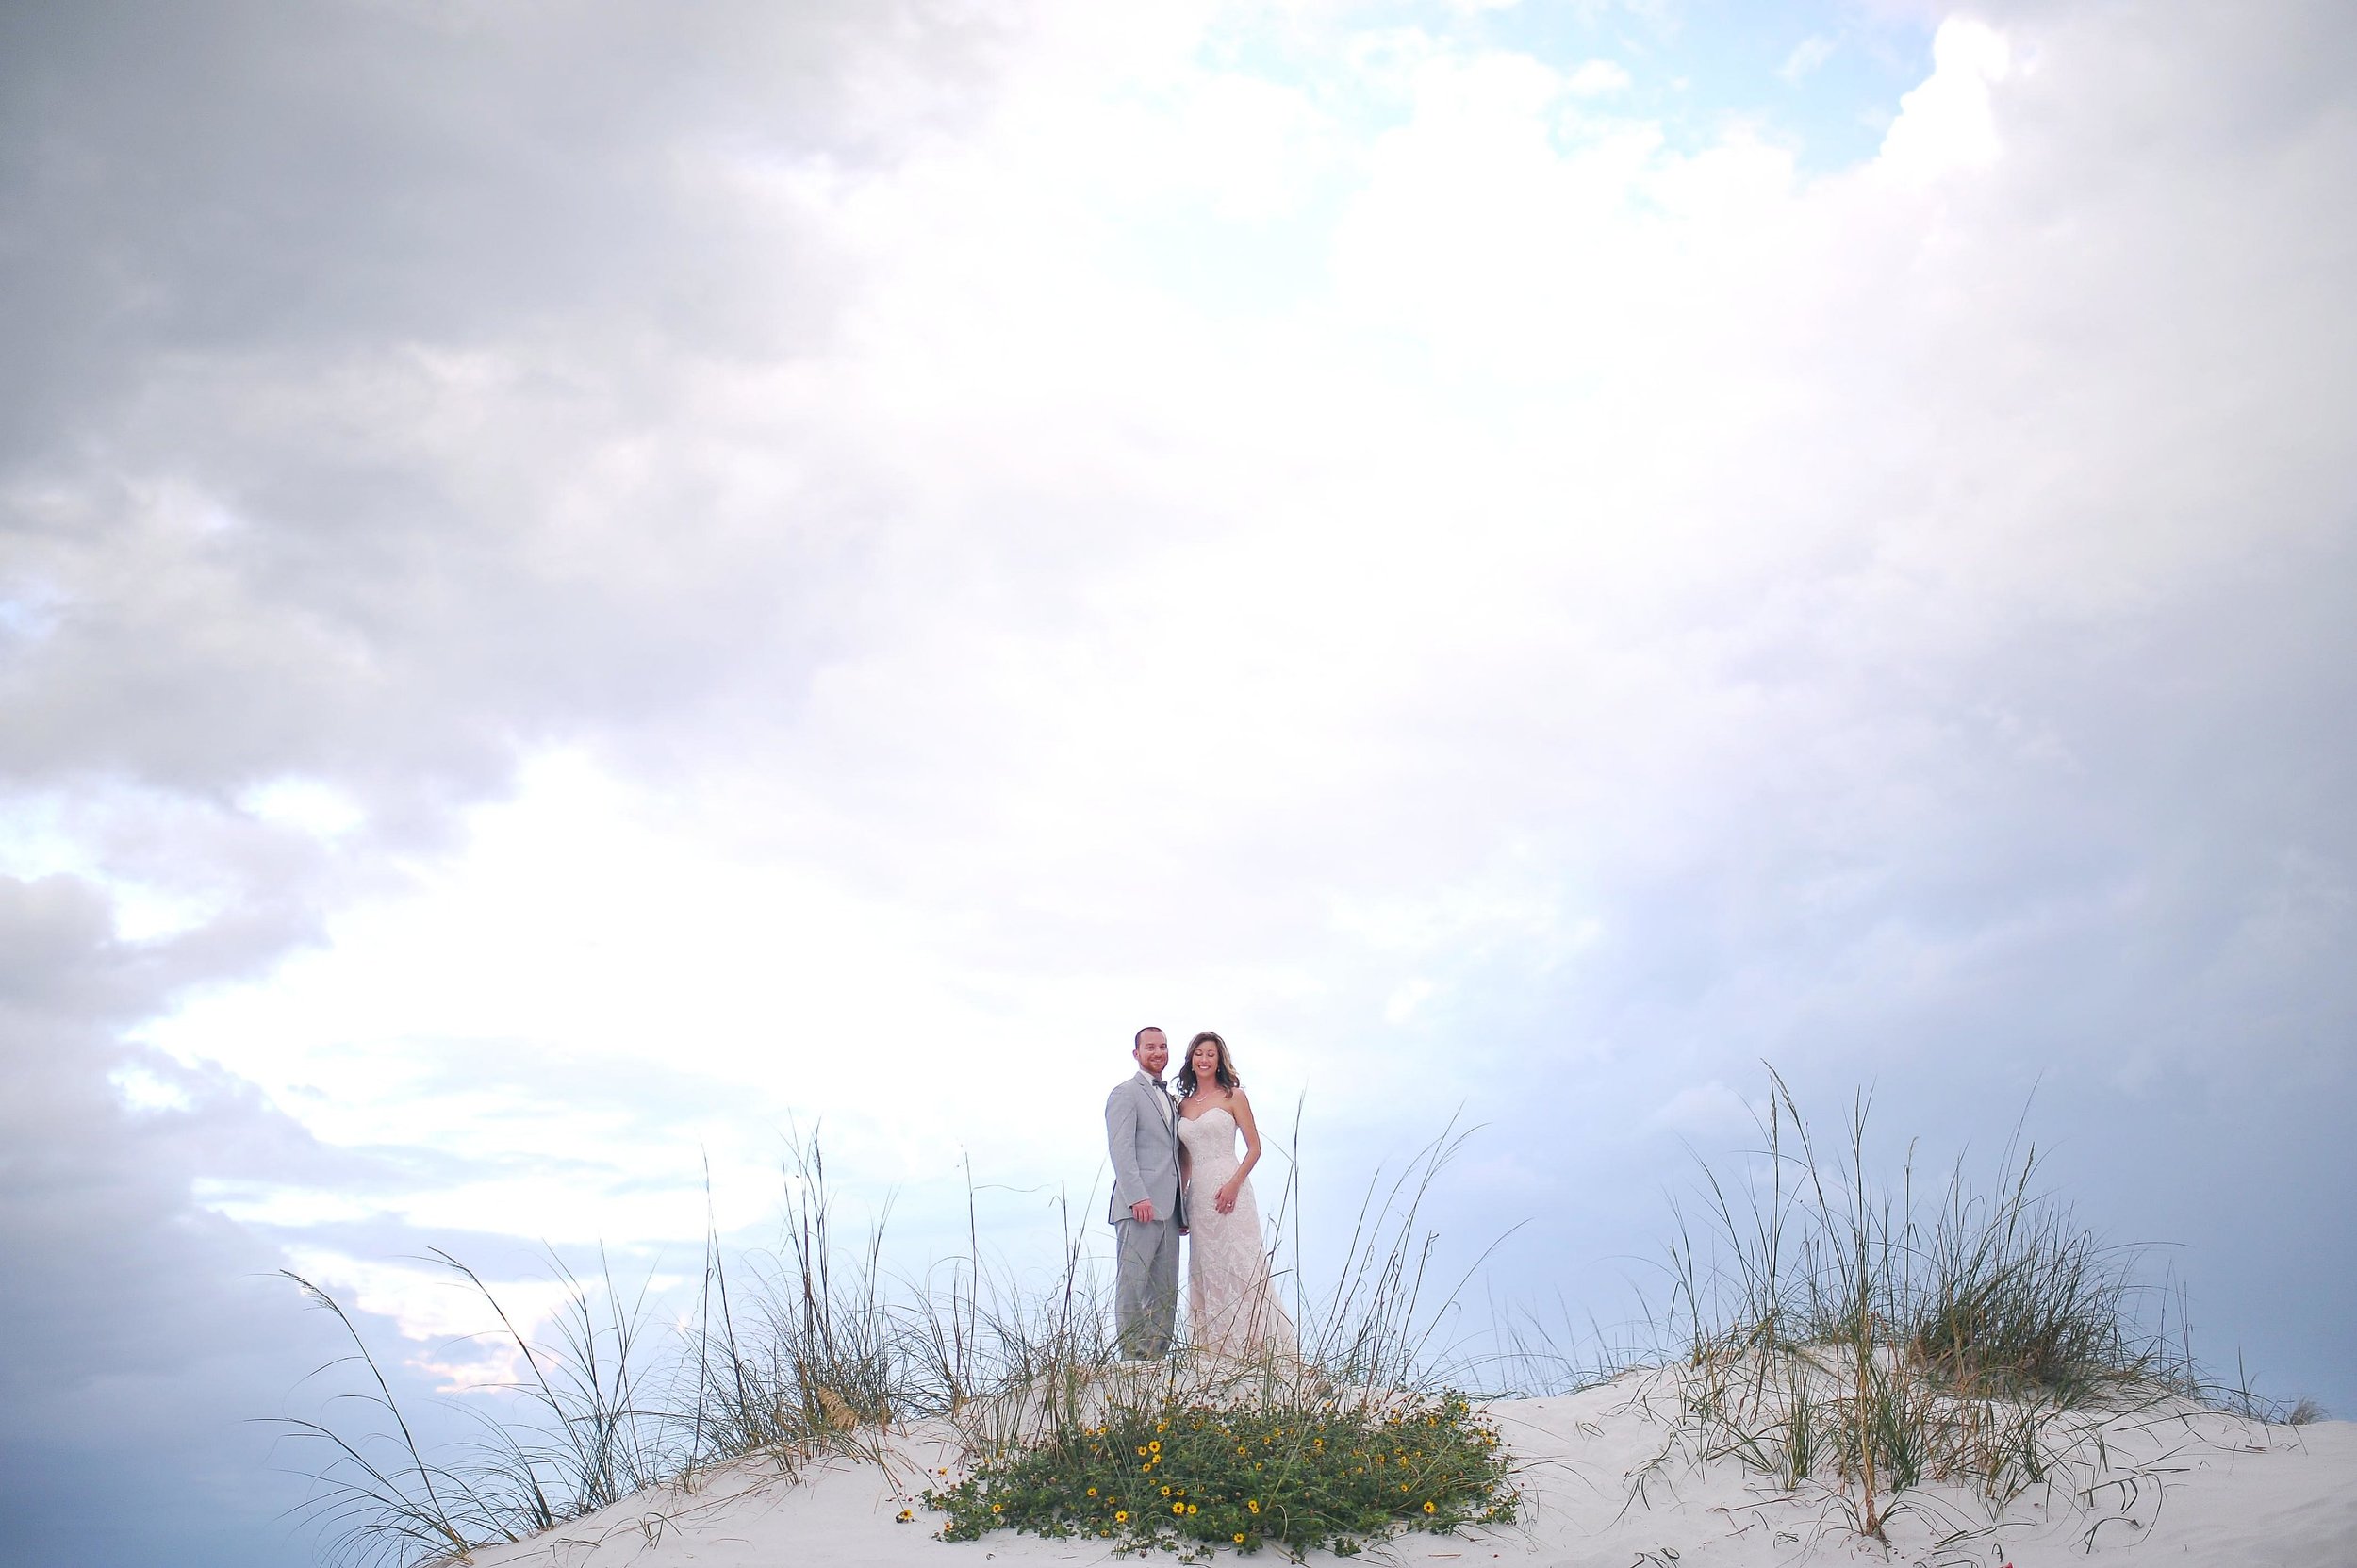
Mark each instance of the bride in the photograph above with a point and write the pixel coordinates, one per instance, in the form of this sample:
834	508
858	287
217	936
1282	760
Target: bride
1232	1309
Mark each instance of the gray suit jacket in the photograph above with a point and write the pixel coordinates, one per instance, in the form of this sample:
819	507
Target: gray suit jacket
1142	1135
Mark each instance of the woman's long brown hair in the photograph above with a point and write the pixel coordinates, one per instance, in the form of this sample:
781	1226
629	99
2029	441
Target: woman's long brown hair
1225	1072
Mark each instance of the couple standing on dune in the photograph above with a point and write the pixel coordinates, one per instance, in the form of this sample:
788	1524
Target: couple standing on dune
1175	1173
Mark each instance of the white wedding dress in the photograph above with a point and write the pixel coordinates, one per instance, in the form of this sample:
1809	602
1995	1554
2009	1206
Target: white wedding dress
1232	1309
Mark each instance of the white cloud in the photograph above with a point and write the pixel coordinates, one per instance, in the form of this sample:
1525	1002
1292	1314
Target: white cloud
142	1090
1949	123
1404	1002
457	1334
1597	77
1201	651
309	805
1700	1111
1807	56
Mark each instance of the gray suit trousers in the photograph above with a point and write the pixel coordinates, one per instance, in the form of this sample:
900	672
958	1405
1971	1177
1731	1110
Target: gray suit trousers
1145	1287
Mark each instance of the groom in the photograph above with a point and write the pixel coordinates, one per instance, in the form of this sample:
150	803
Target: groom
1148	1211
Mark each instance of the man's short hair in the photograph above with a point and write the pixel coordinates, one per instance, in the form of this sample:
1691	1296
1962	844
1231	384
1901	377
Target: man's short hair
1139	1039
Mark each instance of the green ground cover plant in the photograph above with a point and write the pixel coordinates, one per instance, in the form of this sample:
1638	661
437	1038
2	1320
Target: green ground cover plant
813	1351
1196	1476
1824	1325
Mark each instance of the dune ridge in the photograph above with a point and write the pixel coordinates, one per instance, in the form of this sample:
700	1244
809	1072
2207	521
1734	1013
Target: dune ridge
1606	1483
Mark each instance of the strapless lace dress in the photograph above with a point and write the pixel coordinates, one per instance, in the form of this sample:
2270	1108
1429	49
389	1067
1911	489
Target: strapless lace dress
1232	1309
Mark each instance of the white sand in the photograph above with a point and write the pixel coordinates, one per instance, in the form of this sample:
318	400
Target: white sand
2185	1487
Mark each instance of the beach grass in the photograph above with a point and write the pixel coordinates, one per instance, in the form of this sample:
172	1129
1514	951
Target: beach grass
814	1349
591	1432
1826	1321
1821	1323
1360	1431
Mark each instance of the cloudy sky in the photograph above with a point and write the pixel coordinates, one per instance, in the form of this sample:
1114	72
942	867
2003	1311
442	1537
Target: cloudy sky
584	584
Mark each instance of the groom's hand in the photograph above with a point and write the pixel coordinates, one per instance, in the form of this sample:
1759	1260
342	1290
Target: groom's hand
1143	1210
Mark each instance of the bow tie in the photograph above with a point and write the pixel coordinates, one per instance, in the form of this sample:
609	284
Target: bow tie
1162	1086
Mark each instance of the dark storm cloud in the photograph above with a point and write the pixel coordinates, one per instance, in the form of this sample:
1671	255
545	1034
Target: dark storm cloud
134	1323
148	1338
2023	785
232	236
2100	876
232	178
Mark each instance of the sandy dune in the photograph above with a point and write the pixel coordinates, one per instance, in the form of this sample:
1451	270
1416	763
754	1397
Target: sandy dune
1602	1487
